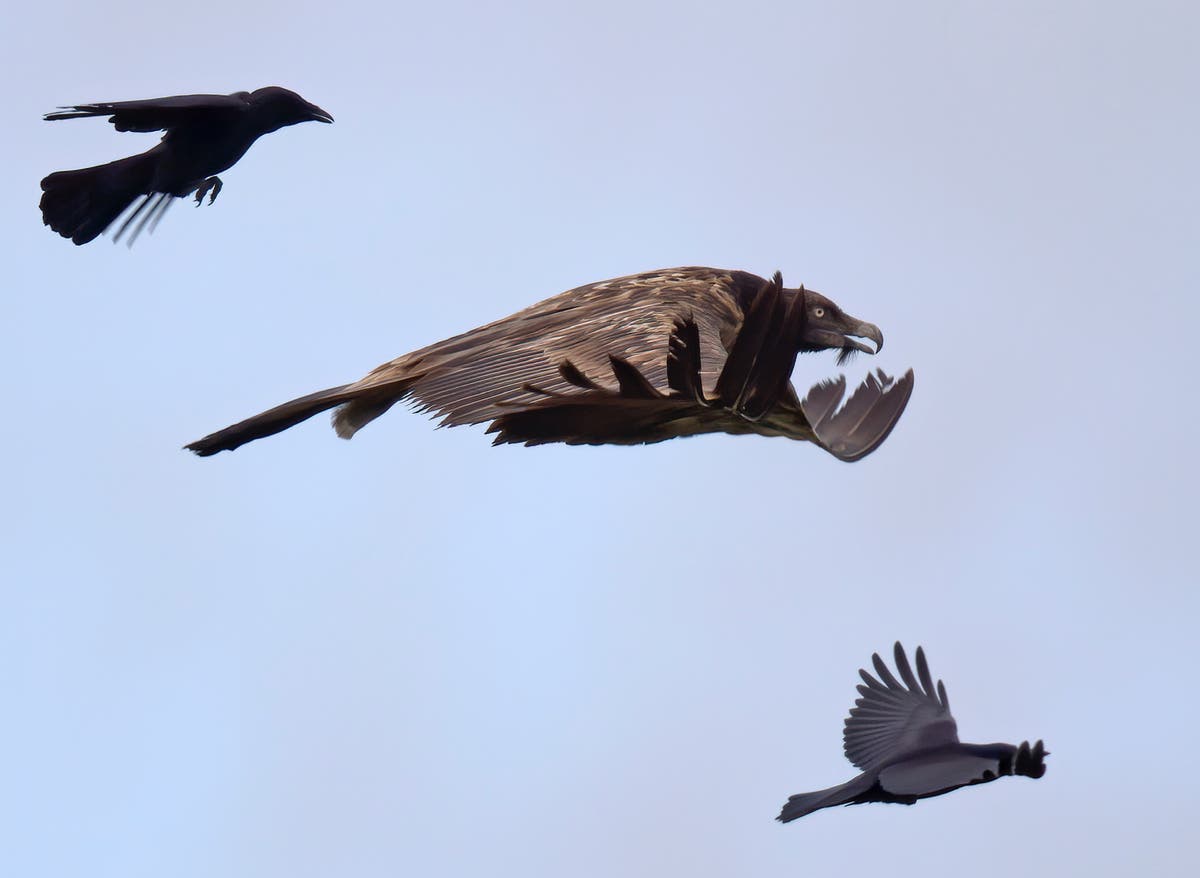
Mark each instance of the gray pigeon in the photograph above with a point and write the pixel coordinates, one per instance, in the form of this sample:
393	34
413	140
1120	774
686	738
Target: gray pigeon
902	736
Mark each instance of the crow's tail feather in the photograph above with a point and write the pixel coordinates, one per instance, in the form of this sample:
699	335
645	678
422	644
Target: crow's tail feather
81	204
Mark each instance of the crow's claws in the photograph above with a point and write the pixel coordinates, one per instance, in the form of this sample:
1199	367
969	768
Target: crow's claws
210	187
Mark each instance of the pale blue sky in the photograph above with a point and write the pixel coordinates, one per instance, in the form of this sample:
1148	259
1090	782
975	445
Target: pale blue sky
417	654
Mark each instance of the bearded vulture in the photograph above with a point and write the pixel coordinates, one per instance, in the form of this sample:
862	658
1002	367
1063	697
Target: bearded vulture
634	360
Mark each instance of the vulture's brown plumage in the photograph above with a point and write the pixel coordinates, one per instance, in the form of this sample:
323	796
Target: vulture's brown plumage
628	361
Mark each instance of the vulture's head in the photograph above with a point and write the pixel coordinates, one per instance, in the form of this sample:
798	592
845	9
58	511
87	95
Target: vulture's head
282	107
828	327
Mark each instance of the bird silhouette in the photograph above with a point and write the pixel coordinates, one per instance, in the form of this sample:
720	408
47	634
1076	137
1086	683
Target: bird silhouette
901	735
633	360
204	135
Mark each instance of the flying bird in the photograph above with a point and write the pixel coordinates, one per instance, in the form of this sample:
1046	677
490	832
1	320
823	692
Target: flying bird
638	359
204	135
902	736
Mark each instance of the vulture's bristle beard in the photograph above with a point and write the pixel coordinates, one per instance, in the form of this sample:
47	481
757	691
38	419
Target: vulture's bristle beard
845	355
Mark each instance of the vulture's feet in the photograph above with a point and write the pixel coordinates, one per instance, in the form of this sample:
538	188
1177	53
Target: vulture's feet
210	187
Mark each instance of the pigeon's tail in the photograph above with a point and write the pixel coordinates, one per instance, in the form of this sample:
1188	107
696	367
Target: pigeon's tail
81	204
359	406
842	794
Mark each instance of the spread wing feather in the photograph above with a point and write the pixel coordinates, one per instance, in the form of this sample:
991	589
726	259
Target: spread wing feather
158	114
760	364
861	425
897	717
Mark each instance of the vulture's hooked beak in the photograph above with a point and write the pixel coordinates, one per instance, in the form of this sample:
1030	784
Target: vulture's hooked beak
865	330
851	345
316	114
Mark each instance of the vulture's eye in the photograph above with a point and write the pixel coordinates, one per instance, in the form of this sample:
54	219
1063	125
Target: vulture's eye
818	312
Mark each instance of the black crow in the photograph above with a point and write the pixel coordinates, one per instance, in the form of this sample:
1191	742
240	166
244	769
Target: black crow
685	351
205	134
902	736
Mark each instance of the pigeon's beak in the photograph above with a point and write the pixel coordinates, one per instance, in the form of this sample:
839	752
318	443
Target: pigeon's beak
316	114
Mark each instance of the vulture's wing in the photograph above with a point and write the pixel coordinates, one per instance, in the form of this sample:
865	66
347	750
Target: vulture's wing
860	426
759	366
160	114
483	374
633	413
895	718
753	377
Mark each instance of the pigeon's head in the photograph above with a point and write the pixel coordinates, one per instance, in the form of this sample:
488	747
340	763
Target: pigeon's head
1029	761
282	107
828	327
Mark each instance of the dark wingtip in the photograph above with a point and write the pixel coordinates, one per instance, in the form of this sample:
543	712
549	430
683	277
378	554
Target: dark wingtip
204	447
214	443
864	422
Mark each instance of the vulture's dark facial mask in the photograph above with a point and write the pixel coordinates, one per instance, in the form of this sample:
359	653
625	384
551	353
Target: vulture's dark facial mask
829	327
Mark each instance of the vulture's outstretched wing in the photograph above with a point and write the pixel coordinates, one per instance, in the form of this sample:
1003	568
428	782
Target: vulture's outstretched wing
861	425
159	114
635	413
753	378
894	718
760	363
483	374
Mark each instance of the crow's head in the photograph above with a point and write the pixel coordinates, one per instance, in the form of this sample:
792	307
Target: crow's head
828	327
280	107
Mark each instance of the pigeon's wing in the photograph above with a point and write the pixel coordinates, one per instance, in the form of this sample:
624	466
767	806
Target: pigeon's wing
939	772
160	114
897	717
860	426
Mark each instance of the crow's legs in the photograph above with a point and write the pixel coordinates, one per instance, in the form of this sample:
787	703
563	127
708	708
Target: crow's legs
210	187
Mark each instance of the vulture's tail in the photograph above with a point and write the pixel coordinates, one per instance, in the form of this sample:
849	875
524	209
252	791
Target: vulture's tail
843	794
81	204
359	407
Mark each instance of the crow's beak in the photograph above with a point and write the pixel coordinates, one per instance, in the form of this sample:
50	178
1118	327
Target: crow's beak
316	114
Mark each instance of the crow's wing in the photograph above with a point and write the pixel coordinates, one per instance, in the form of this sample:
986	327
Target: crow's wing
160	114
894	718
860	426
